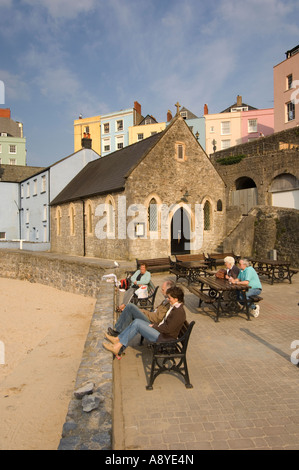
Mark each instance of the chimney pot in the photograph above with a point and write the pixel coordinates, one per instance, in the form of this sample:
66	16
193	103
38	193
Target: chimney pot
205	109
86	141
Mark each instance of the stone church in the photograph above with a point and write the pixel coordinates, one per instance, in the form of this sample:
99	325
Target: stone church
151	199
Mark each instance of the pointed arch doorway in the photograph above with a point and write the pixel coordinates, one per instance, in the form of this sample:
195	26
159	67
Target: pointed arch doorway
180	232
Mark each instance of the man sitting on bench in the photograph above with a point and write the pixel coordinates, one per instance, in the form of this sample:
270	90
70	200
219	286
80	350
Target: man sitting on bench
167	329
131	312
248	277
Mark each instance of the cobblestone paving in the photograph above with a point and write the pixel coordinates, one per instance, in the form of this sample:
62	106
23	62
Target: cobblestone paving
245	393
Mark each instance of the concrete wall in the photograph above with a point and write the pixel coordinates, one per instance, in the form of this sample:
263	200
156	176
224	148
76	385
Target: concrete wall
9	217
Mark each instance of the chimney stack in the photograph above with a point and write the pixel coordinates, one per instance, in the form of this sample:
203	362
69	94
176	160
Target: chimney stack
205	109
239	100
169	116
5	113
86	141
137	107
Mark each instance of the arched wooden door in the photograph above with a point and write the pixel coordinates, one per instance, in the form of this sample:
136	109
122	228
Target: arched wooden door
180	232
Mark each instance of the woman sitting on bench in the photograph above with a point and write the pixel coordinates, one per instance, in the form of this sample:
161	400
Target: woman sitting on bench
167	329
140	278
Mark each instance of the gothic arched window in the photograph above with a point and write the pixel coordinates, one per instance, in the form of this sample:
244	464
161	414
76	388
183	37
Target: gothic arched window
58	220
72	220
153	215
207	215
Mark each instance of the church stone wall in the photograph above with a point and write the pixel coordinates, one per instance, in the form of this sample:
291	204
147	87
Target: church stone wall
161	175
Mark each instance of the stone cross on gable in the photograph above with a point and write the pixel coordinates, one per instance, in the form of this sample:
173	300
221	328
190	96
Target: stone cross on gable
177	108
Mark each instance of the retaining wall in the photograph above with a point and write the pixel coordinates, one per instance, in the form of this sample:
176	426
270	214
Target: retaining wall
77	275
93	430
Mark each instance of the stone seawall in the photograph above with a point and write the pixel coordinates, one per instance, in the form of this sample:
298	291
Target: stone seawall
77	275
89	428
92	430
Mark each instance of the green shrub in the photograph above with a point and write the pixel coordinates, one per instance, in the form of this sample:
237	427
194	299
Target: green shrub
232	160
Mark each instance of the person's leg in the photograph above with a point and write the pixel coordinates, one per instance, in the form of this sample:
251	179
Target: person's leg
138	326
251	292
130	313
128	294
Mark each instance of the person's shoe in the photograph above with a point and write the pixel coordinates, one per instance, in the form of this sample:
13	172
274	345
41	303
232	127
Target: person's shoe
256	311
114	349
112	339
112	332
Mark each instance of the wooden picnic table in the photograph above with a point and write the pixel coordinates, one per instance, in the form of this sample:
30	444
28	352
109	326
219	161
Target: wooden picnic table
273	269
192	269
222	295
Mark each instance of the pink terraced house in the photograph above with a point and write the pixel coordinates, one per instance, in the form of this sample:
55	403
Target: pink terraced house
256	123
286	91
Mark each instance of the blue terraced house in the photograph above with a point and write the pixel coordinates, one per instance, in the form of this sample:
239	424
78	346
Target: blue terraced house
115	128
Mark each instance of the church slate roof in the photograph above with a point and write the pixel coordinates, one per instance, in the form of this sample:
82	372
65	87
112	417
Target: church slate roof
107	174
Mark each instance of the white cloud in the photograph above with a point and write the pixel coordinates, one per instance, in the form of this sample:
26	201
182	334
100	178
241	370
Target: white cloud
64	9
16	87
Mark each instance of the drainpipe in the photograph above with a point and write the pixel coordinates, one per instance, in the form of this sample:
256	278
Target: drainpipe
48	182
83	227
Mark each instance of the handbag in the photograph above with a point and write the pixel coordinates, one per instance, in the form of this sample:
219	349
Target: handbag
142	292
221	274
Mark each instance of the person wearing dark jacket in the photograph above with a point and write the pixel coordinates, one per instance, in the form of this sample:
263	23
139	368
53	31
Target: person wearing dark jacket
167	329
232	269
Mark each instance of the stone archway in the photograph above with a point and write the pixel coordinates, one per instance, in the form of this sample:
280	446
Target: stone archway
285	191
180	232
245	194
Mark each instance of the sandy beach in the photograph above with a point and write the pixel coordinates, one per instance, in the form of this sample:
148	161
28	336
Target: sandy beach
42	333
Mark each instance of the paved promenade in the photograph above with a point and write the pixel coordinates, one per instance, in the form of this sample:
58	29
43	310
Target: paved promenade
246	389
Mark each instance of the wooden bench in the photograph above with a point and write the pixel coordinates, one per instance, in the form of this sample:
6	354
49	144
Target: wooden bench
254	299
202	296
156	264
218	258
178	271
170	356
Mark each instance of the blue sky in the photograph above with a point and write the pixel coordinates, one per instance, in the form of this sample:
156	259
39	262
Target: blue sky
60	58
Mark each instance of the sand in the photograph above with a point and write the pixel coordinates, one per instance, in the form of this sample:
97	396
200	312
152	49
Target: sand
43	332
